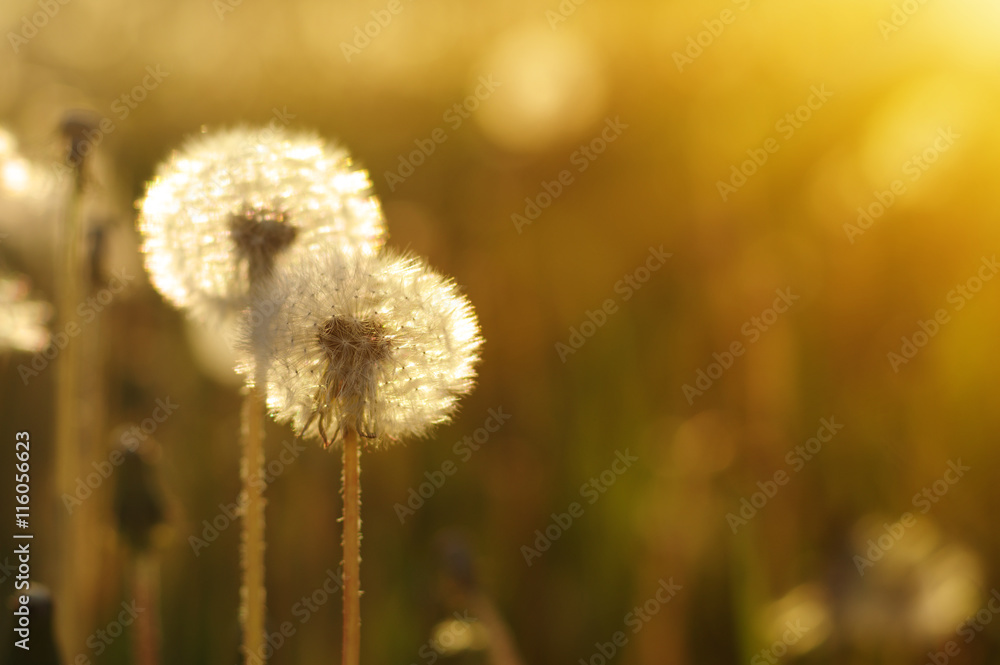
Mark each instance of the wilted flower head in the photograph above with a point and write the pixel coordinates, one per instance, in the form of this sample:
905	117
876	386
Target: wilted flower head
22	321
225	208
381	344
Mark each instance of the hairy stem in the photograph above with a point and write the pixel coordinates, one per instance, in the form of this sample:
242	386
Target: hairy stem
260	235
352	548
253	594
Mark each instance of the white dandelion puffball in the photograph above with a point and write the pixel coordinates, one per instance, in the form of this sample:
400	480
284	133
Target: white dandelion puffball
230	205
380	343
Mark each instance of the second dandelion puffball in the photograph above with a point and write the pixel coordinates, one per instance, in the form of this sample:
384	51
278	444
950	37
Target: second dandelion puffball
226	208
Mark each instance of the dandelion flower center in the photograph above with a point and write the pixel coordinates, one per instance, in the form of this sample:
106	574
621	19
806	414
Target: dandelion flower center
260	234
353	349
352	342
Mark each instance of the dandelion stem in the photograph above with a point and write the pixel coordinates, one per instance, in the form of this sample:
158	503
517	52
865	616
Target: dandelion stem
352	548
253	593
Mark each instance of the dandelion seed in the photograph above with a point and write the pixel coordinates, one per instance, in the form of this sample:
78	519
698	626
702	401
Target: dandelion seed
223	211
381	344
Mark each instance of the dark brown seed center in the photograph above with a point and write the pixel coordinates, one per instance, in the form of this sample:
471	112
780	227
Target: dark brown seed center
260	235
353	342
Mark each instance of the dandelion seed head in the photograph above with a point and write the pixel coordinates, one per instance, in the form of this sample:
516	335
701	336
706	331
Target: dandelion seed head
380	343
231	205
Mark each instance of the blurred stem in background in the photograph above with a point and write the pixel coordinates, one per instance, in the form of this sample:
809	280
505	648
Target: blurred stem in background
253	593
139	511
464	591
68	432
146	586
81	390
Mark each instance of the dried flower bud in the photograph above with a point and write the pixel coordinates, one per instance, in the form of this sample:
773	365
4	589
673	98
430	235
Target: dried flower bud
138	500
223	211
379	343
77	126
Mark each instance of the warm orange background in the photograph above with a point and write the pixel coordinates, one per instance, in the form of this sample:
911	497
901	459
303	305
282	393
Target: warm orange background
899	112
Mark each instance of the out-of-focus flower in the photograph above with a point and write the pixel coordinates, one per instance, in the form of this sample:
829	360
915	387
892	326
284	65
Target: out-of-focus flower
796	623
22	321
20	178
29	200
138	499
554	89
379	343
224	210
917	585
